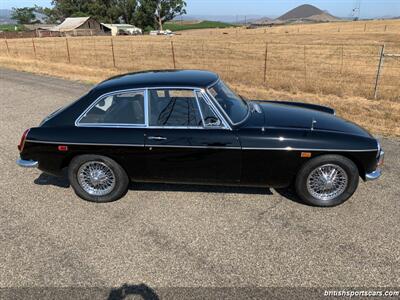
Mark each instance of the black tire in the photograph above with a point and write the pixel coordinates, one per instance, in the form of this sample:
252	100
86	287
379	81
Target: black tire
121	178
346	164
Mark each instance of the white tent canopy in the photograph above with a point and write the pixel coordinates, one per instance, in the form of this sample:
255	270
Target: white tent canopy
70	24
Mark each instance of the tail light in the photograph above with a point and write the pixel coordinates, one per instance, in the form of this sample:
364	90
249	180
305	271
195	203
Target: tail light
22	142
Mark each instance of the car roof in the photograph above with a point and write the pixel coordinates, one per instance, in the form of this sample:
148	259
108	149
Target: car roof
159	78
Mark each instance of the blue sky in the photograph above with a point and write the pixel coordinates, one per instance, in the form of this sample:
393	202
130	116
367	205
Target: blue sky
342	8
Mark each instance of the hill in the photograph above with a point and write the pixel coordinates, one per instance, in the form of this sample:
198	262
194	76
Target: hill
307	12
261	20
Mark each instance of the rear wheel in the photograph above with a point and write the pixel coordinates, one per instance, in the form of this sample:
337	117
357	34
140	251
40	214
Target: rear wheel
327	180
97	178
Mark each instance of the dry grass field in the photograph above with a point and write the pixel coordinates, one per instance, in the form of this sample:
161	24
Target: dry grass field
333	63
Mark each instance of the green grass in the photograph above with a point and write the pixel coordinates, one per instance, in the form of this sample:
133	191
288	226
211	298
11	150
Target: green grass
10	27
176	26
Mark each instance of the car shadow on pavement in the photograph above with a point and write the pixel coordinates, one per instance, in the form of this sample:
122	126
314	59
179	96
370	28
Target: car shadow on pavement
129	291
63	182
195	188
46	179
289	194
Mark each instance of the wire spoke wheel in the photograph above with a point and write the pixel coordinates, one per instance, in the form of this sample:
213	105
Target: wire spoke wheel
327	182
96	178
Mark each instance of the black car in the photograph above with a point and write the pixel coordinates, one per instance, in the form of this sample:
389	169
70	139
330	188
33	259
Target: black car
186	126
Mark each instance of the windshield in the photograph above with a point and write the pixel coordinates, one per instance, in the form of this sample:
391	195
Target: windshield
233	105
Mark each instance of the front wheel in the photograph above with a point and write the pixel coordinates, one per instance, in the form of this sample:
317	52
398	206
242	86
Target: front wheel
97	178
327	180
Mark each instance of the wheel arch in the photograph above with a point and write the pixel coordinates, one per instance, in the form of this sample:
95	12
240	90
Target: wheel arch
348	155
68	158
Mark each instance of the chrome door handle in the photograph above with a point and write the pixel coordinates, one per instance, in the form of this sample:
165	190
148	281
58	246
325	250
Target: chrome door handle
157	138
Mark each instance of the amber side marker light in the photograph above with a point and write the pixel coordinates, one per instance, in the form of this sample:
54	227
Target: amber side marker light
305	154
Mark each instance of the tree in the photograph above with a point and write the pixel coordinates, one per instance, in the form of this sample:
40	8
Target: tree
107	11
128	10
24	15
49	15
167	10
145	14
155	13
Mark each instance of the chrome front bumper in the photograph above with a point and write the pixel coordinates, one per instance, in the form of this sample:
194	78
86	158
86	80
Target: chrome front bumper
378	172
374	175
27	163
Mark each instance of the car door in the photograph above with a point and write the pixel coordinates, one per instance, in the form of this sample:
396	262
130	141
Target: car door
187	144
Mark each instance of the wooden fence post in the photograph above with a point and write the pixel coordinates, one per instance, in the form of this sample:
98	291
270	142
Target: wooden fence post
34	48
341	60
173	54
265	62
341	68
203	54
305	67
229	58
8	48
112	51
378	72
67	47
133	55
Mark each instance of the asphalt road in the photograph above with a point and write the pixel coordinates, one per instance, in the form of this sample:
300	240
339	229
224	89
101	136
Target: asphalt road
182	236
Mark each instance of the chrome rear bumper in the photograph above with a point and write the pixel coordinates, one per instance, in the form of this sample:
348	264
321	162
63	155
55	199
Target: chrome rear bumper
27	163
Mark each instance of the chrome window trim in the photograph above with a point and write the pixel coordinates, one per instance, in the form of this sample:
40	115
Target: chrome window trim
170	127
112	125
146	108
198	105
224	124
223	111
211	103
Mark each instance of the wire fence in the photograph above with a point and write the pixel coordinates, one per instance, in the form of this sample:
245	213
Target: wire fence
368	70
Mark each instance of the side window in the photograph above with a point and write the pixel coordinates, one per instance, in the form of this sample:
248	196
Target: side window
210	118
174	108
124	108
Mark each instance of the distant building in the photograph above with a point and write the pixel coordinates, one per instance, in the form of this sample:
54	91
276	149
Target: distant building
41	30
79	27
39	26
122	29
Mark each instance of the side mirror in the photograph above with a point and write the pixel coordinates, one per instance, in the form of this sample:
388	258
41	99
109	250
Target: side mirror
212	121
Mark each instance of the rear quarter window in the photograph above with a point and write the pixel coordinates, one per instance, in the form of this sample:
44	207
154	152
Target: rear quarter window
123	108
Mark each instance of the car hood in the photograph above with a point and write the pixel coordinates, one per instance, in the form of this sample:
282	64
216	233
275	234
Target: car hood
285	115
